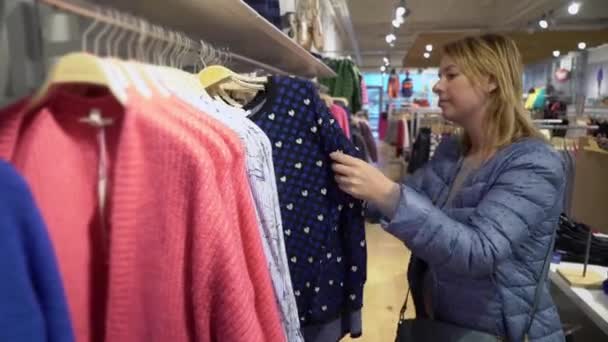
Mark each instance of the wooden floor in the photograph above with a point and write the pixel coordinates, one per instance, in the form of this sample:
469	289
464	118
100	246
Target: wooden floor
386	286
387	262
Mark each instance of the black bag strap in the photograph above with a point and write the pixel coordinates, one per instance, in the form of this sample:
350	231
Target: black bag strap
404	306
537	292
541	282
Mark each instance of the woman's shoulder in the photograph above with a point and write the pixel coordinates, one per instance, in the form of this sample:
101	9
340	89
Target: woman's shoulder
532	154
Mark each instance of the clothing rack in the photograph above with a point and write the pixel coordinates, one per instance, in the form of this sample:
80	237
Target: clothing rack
136	24
567	127
547	121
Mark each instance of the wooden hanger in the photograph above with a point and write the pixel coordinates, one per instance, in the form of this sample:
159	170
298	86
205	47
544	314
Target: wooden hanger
216	74
83	68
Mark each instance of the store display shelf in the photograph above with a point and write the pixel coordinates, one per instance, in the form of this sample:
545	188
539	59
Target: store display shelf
231	24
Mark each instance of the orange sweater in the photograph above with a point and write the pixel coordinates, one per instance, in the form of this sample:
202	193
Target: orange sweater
176	266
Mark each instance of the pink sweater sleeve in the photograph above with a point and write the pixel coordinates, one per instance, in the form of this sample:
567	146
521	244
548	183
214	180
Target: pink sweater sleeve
342	118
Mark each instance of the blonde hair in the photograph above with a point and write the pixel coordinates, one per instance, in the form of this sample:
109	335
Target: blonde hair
497	57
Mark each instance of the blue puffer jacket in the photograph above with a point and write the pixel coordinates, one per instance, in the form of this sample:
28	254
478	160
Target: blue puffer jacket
485	251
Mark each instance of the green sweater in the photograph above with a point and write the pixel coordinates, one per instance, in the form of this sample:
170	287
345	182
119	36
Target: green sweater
346	84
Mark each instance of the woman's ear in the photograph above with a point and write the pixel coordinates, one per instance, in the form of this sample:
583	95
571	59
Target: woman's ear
491	84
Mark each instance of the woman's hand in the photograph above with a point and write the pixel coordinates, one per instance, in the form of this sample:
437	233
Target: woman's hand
365	182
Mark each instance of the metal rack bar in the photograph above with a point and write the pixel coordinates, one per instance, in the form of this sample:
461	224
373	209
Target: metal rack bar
88	11
566	127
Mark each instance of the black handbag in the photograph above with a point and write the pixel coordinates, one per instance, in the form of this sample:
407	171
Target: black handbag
427	330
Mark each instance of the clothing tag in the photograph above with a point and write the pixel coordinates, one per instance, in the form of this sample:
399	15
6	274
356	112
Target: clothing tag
96	120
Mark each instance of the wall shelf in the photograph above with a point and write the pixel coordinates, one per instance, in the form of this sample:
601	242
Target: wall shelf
232	24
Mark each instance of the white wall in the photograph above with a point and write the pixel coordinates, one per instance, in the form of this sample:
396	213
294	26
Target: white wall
287	6
598	58
333	41
599	54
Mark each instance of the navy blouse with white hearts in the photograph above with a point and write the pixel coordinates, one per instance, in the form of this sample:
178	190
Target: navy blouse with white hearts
323	226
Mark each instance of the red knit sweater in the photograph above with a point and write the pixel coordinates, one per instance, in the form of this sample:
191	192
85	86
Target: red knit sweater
177	266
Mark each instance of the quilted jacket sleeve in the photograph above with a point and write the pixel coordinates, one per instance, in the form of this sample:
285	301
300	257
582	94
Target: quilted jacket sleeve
529	183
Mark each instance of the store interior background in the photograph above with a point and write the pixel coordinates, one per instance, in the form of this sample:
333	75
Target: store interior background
357	29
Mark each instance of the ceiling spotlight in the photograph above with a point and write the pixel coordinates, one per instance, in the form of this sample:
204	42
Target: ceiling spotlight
582	46
390	38
396	23
429	47
543	24
383	68
556	53
574	8
427	55
385	60
401	10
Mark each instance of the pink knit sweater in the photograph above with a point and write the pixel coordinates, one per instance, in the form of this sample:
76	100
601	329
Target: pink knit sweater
177	266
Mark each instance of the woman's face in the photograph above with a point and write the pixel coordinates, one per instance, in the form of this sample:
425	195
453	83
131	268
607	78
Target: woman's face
459	99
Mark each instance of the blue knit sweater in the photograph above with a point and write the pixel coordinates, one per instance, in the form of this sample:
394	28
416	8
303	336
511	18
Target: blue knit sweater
32	301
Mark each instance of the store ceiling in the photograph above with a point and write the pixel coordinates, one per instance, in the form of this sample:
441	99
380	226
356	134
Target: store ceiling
439	21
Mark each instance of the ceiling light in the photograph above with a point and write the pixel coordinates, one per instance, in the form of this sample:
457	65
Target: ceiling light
582	46
543	24
385	60
429	47
400	20
427	55
401	10
390	38
556	53
396	23
574	8
383	68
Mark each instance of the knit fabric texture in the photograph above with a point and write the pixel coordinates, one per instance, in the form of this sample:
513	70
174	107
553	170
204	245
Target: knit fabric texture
34	306
173	264
323	226
342	118
346	84
255	147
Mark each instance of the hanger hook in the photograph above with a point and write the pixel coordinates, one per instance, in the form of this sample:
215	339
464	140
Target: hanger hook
134	29
183	50
89	29
124	26
97	39
161	55
145	37
114	29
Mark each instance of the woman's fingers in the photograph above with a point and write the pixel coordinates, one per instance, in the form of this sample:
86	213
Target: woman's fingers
343	169
345	159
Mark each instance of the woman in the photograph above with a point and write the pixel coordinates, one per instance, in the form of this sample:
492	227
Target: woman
480	216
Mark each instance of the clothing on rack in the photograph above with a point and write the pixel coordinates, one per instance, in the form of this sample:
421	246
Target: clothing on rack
382	125
393	86
34	306
359	141
269	9
346	84
398	133
421	150
370	142
407	87
364	92
260	173
341	117
323	226
128	276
